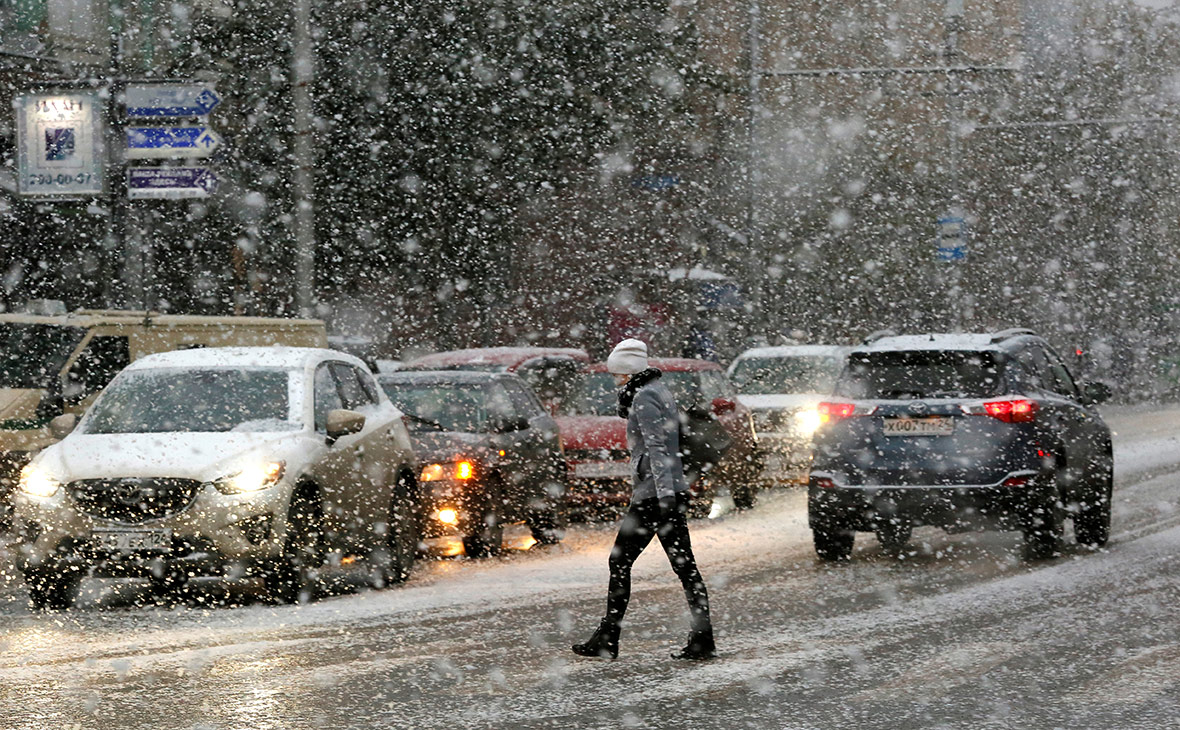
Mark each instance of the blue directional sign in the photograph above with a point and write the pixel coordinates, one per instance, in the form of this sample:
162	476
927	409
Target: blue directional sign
151	101
170	182
145	143
952	253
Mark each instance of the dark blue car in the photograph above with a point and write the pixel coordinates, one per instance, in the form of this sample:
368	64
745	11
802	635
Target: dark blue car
962	432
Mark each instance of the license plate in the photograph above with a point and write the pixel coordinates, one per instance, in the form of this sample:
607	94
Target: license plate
603	470
935	426
128	541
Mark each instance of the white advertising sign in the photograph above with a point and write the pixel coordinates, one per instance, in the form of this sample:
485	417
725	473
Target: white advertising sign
60	145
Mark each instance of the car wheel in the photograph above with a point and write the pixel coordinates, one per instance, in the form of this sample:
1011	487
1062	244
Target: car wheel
548	528
294	576
1091	523
1044	522
832	545
404	531
51	589
894	534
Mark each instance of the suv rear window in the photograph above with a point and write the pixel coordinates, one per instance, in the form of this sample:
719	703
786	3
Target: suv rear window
919	375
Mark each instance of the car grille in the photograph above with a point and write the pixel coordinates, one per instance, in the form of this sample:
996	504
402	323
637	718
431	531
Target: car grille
597	455
131	501
11	463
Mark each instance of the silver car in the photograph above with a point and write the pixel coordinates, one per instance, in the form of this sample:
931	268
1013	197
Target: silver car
277	462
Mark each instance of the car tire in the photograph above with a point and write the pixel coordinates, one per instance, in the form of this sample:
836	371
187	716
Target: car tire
894	534
50	589
1091	523
548	528
833	545
294	576
404	531
1044	522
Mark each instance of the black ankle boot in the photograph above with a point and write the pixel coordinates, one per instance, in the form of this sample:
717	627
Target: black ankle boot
700	646
604	643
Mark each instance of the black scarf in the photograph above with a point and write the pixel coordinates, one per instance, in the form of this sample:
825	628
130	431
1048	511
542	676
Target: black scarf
637	381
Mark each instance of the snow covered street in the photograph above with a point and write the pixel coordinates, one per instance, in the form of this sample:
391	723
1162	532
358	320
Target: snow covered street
961	633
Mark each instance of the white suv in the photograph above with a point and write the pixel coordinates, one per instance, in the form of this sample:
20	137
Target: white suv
220	461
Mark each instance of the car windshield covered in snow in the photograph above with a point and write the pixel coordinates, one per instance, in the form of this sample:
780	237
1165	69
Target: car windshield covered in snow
598	395
182	400
919	374
32	355
771	375
442	406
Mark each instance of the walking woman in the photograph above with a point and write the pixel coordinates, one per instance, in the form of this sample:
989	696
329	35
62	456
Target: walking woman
659	503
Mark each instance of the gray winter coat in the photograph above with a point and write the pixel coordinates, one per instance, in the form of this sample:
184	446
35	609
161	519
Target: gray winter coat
653	435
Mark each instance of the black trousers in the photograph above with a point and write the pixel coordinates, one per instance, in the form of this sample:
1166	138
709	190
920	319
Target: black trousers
640	524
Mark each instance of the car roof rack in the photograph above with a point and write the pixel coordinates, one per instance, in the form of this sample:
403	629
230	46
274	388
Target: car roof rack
1012	332
879	334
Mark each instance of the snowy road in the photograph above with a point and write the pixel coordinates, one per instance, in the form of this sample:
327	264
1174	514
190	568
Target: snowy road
962	634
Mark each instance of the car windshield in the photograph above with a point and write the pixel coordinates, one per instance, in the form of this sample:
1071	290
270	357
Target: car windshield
771	375
32	355
447	406
597	394
213	400
913	375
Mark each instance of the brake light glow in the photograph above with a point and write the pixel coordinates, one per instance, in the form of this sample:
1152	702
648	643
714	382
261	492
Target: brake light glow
1020	481
831	412
1020	410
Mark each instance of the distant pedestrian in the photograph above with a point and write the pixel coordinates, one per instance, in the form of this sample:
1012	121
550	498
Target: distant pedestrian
659	504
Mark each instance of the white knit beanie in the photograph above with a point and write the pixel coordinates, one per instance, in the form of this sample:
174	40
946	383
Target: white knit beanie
628	357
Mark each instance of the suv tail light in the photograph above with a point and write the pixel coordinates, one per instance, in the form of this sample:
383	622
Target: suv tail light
1018	410
832	412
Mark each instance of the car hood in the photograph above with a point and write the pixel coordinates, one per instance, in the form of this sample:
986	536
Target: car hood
781	402
441	446
592	432
200	456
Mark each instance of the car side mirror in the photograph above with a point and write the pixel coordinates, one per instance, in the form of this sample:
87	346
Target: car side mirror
63	425
723	405
1096	392
342	422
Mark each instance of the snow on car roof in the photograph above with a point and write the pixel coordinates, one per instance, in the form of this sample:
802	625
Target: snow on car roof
795	351
505	357
221	357
931	342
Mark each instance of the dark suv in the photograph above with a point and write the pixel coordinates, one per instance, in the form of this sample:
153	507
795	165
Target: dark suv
963	432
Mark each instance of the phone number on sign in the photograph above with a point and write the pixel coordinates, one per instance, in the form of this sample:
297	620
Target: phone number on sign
82	178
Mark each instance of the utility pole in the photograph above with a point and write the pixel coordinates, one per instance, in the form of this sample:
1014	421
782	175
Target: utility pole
754	260
953	222
302	75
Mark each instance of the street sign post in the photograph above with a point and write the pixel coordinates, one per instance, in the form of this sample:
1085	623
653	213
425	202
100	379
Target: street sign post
155	143
153	101
952	238
173	183
60	147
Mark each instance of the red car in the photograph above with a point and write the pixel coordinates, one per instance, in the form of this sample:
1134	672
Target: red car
549	371
595	438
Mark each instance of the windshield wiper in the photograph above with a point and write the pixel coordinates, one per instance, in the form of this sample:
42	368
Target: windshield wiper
425	422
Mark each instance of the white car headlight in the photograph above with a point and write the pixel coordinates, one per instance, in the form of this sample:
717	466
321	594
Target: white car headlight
807	421
38	482
253	478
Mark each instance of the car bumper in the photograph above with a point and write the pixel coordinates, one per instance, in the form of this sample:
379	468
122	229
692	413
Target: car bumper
955	507
785	458
214	532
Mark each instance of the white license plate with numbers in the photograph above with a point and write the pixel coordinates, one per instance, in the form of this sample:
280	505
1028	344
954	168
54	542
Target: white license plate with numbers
602	470
128	541
933	426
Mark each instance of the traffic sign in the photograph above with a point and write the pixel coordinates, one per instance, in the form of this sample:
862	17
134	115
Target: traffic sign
952	238
146	143
151	101
170	182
